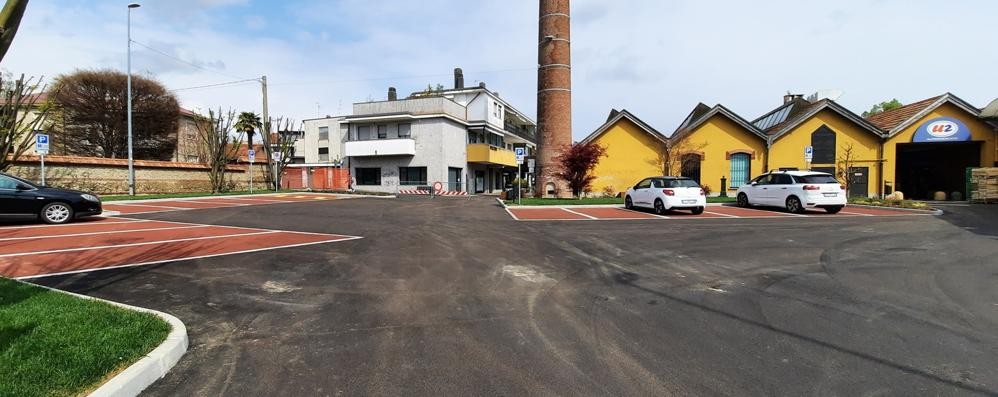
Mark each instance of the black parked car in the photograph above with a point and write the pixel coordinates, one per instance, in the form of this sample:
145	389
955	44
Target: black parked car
20	199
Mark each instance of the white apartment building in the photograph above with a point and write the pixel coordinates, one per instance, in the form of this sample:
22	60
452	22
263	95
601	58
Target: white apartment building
459	139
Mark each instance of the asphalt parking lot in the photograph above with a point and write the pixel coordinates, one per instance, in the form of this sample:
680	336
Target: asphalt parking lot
451	296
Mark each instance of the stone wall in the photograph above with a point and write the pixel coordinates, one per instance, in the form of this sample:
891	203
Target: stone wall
110	176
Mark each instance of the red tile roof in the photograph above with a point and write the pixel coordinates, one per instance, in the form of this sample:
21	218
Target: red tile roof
892	118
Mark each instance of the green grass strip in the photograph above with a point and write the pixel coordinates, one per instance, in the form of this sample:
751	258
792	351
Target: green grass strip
55	344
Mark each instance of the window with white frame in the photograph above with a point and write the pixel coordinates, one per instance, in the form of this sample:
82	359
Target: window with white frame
382	132
405	130
323	133
324	154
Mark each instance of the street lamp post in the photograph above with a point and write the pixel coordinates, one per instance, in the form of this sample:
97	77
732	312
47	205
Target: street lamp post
131	161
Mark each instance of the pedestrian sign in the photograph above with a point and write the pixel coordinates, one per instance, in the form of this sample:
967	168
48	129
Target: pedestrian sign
808	153
251	154
521	153
42	143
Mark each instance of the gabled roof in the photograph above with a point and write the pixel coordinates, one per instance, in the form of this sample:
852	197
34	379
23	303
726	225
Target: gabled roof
701	113
779	116
802	110
990	111
896	120
624	114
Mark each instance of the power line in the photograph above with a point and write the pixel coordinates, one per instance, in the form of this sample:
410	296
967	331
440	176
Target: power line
184	61
227	83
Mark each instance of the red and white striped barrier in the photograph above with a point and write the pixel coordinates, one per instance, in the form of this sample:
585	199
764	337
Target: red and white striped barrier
437	193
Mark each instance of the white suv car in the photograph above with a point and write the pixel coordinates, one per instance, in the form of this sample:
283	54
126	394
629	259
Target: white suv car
795	190
664	193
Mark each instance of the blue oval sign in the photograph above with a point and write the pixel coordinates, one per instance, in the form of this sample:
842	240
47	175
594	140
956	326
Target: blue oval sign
942	129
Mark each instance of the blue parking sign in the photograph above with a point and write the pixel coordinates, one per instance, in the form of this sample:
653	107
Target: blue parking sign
42	143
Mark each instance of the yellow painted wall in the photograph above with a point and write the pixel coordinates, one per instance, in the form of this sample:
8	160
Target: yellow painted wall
715	138
632	155
979	131
788	149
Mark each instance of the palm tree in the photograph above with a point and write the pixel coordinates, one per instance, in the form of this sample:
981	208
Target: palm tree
248	122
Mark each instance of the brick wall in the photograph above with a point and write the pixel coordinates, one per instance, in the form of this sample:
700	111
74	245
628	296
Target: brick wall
110	176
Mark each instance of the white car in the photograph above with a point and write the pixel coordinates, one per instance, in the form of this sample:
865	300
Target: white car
795	190
664	193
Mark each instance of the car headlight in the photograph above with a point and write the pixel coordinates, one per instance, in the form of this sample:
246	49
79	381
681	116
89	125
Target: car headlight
90	197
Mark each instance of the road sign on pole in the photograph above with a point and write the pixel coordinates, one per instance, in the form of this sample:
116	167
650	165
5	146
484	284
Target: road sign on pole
521	153
808	153
251	154
42	148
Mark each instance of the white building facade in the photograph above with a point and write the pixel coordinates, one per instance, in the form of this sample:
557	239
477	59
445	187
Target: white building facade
460	139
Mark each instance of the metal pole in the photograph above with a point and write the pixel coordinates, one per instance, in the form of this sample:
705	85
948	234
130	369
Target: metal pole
519	185
251	177
131	160
43	169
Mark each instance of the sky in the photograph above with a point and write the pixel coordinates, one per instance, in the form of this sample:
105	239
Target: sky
655	58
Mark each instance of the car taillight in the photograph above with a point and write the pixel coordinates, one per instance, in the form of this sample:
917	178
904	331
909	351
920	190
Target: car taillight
842	187
703	193
811	187
669	192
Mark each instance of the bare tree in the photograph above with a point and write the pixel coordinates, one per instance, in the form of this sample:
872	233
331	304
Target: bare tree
21	114
844	166
672	155
220	144
91	112
10	19
283	142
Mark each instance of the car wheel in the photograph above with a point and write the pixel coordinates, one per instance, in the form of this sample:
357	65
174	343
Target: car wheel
628	203
57	213
834	209
659	207
794	205
697	211
742	200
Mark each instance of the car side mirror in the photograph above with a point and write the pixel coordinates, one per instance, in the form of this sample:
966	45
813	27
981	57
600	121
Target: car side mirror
22	187
753	183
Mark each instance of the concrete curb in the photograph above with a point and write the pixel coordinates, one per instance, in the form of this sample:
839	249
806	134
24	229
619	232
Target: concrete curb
934	211
148	369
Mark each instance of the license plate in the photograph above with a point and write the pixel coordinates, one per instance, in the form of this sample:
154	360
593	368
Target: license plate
831	194
689	201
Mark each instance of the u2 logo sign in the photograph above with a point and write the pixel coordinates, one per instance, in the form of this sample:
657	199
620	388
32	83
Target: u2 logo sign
942	128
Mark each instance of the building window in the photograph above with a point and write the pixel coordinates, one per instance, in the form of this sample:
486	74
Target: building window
740	169
412	176
823	142
496	140
405	130
382	132
363	132
323	133
368	176
324	154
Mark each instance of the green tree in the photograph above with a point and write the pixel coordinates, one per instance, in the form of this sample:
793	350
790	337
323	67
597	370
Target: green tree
10	19
883	107
219	144
248	122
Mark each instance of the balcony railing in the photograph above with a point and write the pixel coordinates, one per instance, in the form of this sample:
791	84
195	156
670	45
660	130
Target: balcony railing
413	106
488	154
380	147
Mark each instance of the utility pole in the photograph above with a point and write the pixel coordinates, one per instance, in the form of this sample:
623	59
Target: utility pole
131	160
266	130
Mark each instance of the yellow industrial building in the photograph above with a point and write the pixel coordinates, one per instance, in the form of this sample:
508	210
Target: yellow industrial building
920	149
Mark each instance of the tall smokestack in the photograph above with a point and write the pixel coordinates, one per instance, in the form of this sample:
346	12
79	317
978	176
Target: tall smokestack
458	78
554	95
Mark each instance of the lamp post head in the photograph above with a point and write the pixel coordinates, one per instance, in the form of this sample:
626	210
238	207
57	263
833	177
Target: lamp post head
134	5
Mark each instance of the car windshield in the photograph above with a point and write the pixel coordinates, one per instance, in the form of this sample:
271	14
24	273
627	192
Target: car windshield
680	183
816	178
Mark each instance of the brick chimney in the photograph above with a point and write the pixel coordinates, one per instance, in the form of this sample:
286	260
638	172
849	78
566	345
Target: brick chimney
554	95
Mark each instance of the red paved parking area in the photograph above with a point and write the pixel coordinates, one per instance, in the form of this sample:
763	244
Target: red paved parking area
616	213
148	206
101	243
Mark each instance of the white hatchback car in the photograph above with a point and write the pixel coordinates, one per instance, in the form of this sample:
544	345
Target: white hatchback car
664	193
795	190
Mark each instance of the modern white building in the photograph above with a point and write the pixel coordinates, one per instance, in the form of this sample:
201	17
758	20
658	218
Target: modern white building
459	139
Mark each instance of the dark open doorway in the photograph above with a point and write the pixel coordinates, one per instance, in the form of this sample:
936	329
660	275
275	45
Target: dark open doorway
926	168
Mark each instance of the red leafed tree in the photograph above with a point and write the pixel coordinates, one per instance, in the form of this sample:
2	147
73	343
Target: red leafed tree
577	163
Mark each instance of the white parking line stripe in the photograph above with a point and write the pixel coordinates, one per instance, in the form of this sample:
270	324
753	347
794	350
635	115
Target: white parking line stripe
257	200
109	221
135	244
149	205
578	213
185	258
217	203
855	213
97	233
652	214
242	227
724	215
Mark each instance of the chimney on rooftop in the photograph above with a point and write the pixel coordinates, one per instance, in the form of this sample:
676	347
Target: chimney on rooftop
790	97
458	78
481	85
392	95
